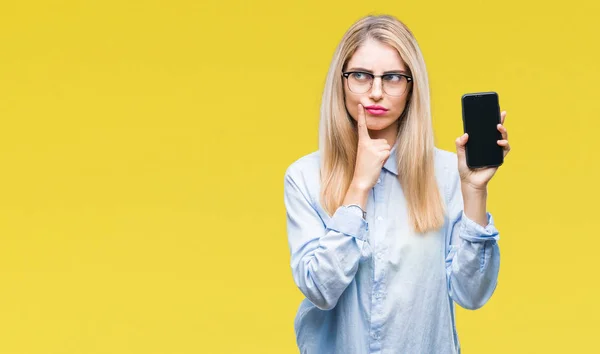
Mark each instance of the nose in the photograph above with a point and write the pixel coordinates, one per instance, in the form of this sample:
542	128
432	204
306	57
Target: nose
377	89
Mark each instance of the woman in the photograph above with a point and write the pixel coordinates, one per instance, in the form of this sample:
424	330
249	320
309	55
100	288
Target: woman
383	247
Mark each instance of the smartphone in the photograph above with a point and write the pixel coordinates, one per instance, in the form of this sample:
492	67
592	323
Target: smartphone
481	116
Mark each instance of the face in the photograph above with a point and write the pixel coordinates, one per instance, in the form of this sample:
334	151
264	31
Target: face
377	58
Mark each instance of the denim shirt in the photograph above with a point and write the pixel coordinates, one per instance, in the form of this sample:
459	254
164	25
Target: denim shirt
374	285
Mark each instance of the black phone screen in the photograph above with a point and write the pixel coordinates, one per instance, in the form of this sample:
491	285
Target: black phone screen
481	115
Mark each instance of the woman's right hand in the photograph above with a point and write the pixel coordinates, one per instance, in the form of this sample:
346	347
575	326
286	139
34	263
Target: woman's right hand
370	157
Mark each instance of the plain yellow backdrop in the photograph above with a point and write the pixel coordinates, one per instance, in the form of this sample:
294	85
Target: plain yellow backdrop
143	146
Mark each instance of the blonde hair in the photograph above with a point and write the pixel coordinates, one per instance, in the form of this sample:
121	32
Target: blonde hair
415	151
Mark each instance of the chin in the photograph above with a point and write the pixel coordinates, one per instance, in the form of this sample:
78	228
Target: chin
380	125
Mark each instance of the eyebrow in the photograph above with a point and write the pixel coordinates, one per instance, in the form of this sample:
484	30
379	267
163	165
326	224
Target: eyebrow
385	72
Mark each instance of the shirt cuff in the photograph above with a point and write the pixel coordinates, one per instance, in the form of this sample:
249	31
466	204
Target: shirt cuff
349	223
473	232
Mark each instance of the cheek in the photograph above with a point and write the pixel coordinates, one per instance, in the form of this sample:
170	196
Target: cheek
351	106
399	105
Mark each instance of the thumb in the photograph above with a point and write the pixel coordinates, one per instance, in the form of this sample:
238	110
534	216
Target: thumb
461	141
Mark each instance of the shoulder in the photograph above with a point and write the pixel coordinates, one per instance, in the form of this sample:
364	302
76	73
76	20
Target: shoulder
306	164
446	171
446	163
304	173
445	158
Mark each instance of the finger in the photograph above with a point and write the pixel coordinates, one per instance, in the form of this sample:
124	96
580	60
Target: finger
502	129
381	144
502	117
460	146
461	141
384	155
505	146
363	132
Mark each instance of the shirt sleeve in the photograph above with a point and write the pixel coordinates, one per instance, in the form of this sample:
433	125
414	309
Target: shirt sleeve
324	256
473	255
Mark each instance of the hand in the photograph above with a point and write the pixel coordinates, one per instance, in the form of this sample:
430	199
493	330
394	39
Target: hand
371	155
478	178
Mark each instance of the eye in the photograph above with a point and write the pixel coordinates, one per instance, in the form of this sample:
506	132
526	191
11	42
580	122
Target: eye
393	77
360	76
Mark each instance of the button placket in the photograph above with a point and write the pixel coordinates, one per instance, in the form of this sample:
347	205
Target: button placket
378	287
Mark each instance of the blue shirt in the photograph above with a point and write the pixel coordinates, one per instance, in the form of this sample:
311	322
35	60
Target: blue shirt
374	285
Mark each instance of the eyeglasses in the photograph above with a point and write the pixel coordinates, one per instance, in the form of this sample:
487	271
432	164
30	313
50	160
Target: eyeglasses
393	84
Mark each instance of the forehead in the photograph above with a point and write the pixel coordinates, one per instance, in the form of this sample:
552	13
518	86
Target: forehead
376	56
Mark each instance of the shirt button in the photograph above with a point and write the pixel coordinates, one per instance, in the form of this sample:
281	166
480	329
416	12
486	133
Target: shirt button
379	218
379	255
378	180
378	295
376	335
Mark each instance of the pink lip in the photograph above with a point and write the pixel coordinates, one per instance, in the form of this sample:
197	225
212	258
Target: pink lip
376	110
376	107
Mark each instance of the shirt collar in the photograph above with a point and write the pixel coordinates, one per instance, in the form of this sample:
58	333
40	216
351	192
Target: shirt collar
391	164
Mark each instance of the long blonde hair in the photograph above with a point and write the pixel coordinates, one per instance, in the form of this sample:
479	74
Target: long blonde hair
338	136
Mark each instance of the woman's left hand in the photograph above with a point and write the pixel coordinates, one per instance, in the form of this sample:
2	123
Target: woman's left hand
478	178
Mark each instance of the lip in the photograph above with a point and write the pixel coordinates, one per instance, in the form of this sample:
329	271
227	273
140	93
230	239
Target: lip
376	107
376	110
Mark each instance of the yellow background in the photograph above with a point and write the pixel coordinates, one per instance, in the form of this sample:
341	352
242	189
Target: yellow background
143	146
